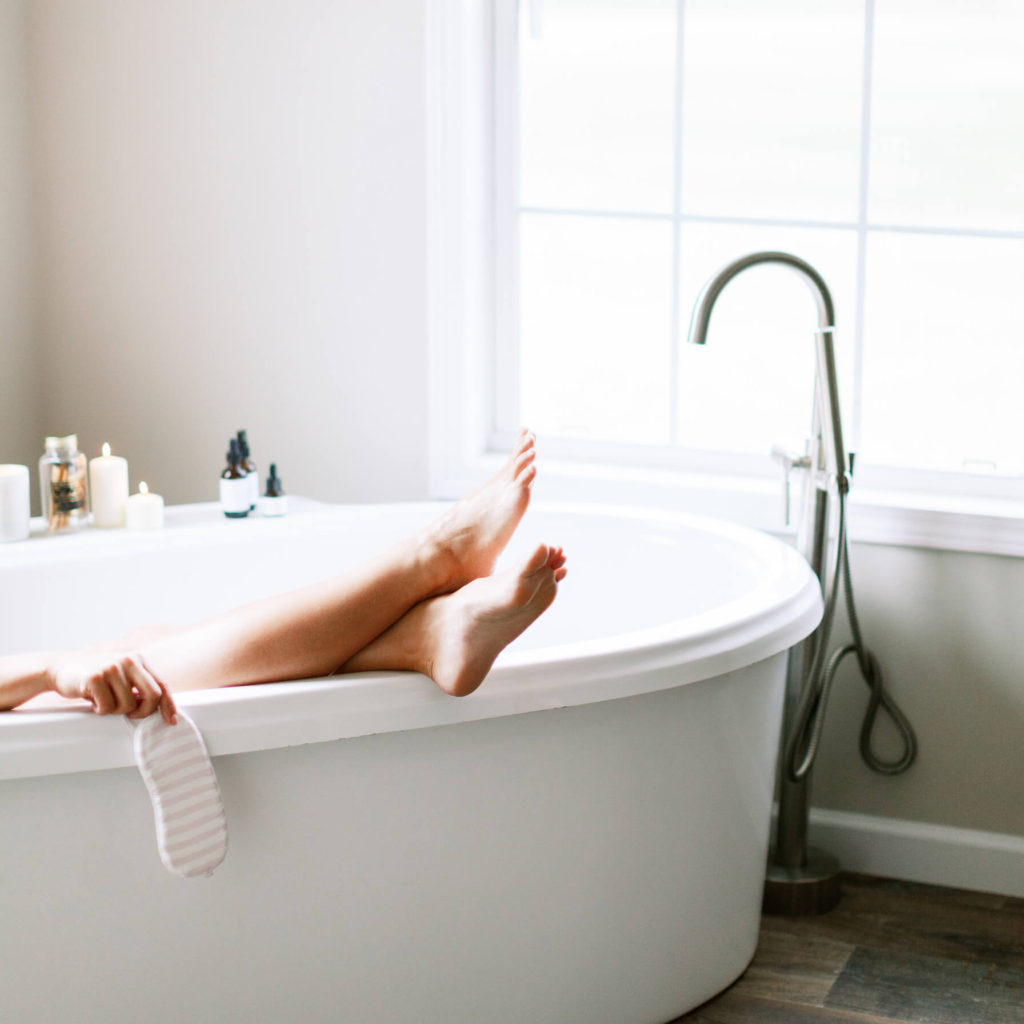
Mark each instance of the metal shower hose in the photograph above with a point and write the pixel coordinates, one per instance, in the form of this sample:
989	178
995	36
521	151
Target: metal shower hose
803	744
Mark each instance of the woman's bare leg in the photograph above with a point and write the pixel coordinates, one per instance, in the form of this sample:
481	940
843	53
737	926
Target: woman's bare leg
455	639
310	632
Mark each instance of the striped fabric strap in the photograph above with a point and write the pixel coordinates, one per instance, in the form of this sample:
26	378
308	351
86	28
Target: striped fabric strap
191	832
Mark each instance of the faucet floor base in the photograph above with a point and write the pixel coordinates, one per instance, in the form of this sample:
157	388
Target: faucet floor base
803	891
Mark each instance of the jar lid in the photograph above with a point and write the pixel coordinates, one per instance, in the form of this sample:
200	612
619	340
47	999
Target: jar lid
70	442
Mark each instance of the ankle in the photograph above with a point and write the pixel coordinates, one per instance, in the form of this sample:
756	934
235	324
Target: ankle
441	568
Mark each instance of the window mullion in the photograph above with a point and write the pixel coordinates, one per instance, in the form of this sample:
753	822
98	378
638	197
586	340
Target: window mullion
677	211
505	403
862	226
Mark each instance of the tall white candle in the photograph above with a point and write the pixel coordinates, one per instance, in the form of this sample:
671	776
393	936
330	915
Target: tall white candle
145	511
14	509
108	485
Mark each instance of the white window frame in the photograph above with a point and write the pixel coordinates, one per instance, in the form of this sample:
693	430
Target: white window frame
471	285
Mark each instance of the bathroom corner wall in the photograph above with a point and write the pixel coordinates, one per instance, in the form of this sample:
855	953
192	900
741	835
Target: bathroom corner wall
230	223
18	426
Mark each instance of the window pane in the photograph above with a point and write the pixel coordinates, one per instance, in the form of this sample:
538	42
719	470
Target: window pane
595	322
947	144
596	105
944	353
772	108
752	385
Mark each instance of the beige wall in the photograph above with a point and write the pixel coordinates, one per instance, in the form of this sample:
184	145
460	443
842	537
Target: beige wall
947	629
230	203
18	426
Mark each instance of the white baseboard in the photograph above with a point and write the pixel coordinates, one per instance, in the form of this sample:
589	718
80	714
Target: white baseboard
918	852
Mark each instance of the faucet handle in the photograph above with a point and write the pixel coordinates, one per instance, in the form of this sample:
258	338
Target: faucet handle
790	461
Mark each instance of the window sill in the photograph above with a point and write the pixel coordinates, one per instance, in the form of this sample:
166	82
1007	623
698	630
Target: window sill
980	525
991	526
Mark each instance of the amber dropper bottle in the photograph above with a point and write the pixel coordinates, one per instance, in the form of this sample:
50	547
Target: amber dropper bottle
249	467
234	485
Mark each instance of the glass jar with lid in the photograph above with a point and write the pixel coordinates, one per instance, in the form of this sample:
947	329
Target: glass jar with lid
64	484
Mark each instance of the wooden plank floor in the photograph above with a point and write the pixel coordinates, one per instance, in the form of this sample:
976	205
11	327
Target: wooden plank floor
890	952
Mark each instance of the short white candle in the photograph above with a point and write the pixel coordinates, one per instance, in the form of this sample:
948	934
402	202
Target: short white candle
145	511
14	509
108	486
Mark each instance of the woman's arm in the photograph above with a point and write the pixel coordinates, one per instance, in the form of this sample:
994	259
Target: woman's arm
22	677
113	682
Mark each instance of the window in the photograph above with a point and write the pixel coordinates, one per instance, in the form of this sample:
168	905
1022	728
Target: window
638	145
658	140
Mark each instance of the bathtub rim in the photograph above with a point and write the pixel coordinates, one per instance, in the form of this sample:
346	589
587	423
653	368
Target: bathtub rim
763	622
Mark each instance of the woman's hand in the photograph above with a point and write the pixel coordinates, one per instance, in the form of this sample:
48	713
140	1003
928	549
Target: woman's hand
113	682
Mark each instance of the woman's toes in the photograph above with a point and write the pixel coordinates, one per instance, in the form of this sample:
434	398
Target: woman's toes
537	560
525	440
525	447
524	460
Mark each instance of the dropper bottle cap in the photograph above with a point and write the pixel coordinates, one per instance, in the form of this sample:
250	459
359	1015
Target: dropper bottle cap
275	488
243	444
234	452
275	502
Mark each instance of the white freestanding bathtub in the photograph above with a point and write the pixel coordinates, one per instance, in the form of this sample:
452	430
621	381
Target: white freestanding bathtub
581	841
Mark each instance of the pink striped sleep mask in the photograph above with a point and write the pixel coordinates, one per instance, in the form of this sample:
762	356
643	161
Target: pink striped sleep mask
191	832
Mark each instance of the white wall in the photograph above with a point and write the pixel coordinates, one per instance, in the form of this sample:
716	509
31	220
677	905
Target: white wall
231	224
18	427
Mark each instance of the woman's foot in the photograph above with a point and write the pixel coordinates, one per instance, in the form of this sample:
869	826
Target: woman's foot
455	639
469	538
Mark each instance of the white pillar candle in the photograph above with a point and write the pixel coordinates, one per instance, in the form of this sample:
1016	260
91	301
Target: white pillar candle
108	487
145	511
14	508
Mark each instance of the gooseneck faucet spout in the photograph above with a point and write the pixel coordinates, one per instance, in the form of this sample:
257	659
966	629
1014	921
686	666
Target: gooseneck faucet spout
827	420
